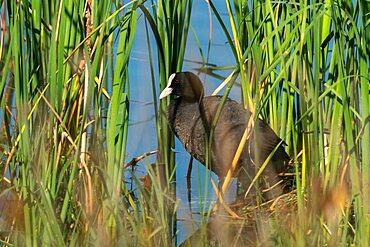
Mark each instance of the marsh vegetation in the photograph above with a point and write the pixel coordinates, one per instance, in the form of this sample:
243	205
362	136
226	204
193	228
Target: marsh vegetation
65	104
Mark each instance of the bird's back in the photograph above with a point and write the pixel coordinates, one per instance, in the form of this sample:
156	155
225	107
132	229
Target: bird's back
186	121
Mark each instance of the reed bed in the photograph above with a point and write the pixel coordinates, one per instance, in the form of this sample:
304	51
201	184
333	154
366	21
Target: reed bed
303	66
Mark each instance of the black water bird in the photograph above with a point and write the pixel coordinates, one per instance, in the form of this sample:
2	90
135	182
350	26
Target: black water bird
190	116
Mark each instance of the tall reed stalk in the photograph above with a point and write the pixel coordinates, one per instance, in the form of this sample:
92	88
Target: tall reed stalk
169	23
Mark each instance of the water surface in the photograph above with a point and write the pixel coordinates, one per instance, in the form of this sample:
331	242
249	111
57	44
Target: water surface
142	133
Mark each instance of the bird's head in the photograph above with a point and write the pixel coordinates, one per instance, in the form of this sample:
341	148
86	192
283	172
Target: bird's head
184	84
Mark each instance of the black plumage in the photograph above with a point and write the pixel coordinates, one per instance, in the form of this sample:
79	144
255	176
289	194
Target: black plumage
190	116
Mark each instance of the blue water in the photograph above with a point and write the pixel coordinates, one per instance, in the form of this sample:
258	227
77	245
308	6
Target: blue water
142	133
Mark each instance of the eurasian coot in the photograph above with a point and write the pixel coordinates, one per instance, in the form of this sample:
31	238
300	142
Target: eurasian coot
190	116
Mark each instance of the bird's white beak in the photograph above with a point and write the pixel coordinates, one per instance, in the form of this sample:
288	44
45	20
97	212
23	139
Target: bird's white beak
168	90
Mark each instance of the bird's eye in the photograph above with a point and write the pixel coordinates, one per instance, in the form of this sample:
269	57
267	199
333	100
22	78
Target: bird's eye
177	81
